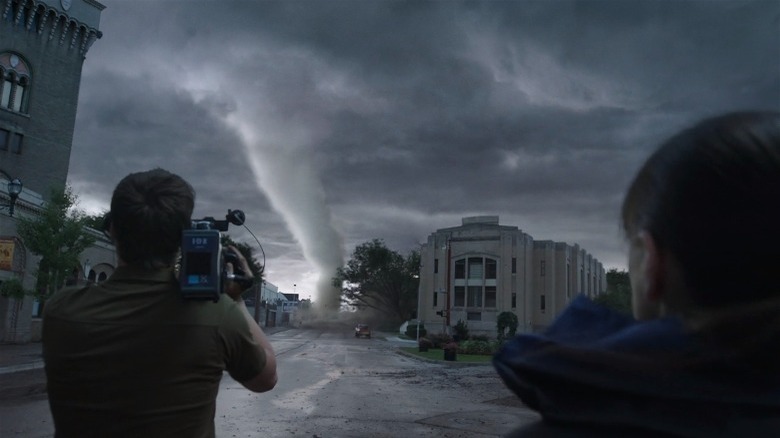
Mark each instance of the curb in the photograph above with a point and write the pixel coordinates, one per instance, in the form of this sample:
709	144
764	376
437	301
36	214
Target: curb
444	362
22	384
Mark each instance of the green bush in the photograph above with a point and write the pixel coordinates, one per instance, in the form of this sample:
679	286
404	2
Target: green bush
440	339
477	347
411	330
12	288
462	330
506	325
425	343
480	338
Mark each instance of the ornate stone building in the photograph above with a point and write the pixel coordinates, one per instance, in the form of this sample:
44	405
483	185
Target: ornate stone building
43	44
474	272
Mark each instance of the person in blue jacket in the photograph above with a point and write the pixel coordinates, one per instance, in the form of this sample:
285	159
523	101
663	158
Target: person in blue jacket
701	357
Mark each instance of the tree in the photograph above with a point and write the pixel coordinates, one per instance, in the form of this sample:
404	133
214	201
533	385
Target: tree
58	236
95	221
618	295
381	279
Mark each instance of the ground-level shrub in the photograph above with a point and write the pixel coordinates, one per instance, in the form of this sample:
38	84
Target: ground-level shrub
461	330
480	347
411	330
440	339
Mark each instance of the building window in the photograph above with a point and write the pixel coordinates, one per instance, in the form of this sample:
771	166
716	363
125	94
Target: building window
14	82
16	143
476	291
460	268
491	269
435	266
5	139
514	265
102	276
490	296
568	280
476	269
474	298
435	298
514	300
542	268
460	296
11	141
542	303
474	316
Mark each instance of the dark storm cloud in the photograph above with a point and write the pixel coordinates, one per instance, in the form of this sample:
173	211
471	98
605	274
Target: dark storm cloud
391	119
131	123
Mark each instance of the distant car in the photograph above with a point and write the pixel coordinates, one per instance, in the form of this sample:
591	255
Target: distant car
362	330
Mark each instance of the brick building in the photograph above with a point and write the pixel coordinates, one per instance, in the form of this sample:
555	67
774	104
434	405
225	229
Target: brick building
43	44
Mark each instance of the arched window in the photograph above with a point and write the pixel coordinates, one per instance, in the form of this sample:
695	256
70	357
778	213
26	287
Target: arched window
15	83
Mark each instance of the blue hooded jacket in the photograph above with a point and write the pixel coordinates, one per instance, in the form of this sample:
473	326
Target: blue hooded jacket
595	367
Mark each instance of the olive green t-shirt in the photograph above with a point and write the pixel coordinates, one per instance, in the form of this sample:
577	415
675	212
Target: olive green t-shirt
130	358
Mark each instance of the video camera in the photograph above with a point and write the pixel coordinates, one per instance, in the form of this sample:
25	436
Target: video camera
203	274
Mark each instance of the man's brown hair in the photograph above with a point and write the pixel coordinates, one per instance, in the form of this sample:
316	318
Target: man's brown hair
149	210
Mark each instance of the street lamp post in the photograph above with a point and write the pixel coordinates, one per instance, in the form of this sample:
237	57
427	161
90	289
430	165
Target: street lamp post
419	296
14	189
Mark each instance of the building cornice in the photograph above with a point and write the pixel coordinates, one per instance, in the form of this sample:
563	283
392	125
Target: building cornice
97	5
51	23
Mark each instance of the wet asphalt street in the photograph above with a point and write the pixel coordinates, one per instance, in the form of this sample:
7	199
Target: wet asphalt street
334	385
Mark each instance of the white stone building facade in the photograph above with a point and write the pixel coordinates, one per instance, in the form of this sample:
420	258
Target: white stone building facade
475	271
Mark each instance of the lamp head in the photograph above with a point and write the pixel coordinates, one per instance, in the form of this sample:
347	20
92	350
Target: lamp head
15	188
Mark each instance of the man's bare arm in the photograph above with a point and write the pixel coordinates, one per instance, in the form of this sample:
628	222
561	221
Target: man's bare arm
266	380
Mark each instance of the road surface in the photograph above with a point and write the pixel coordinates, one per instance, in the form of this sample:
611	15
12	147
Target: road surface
332	384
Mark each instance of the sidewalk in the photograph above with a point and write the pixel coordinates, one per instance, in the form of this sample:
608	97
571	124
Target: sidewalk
21	368
21	371
20	357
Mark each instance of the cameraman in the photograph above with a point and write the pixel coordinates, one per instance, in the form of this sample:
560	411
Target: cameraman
129	357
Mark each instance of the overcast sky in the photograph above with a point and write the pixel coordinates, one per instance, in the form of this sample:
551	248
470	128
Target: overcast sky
331	123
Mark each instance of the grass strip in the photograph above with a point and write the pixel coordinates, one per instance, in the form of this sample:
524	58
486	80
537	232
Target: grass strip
438	354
